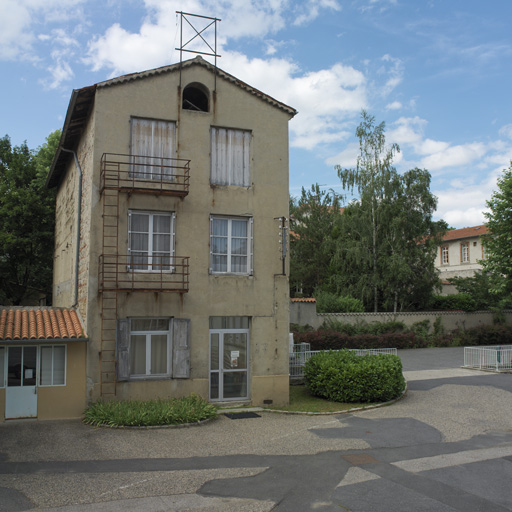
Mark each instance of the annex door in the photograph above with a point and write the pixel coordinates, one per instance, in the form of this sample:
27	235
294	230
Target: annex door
21	389
229	364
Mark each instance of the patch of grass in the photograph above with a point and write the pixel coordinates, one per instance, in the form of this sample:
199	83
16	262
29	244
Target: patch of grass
301	400
132	413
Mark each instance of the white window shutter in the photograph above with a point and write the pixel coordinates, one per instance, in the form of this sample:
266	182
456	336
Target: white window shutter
180	329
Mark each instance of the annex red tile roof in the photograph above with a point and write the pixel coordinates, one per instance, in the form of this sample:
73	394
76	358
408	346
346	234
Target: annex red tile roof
456	234
24	323
303	300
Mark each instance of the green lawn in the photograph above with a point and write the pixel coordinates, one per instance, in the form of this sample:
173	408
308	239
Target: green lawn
302	401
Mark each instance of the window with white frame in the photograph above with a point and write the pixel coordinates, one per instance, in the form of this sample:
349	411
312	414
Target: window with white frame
150	347
151	241
53	365
444	255
230	157
231	245
464	252
2	367
152	148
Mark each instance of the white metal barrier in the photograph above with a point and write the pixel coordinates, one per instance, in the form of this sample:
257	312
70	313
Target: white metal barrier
497	358
302	353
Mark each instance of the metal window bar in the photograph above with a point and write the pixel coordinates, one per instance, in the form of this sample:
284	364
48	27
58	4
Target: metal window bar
301	354
496	358
170	176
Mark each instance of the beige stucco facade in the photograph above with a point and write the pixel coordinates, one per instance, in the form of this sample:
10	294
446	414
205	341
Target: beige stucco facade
261	295
460	255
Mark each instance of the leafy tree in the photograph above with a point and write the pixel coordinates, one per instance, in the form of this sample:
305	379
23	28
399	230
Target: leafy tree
498	242
27	220
314	229
387	249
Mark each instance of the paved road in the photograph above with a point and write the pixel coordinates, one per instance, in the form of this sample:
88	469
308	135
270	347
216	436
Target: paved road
447	446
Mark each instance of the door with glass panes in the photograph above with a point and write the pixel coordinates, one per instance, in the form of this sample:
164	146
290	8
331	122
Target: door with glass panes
229	371
21	382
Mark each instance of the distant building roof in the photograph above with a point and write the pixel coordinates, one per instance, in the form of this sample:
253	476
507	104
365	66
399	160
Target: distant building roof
456	234
40	324
303	300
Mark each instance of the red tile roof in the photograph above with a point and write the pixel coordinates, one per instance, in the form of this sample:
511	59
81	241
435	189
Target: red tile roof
456	234
303	300
25	323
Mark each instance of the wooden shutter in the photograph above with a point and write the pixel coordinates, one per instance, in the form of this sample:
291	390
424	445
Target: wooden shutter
180	329
123	350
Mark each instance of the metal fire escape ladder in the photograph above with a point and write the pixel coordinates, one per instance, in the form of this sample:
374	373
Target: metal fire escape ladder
109	298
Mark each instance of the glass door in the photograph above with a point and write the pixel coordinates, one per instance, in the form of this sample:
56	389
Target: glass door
229	365
21	389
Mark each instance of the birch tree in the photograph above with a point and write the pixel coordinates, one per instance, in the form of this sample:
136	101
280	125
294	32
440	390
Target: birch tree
388	242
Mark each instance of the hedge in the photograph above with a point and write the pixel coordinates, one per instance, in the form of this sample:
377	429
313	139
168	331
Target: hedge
345	377
334	340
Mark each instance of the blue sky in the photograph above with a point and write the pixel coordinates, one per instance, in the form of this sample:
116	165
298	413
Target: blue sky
439	74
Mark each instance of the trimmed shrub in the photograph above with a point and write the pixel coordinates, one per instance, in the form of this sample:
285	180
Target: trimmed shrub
484	335
345	377
327	302
458	301
334	340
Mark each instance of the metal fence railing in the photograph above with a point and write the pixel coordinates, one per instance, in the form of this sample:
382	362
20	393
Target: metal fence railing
497	358
301	354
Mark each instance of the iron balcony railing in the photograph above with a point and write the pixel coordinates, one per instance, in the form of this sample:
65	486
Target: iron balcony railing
146	174
130	273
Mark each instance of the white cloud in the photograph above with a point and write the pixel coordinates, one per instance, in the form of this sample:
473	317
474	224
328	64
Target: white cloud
21	19
454	156
506	131
395	105
394	69
311	9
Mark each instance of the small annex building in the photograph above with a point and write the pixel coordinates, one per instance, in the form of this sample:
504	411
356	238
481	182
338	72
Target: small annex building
172	199
42	363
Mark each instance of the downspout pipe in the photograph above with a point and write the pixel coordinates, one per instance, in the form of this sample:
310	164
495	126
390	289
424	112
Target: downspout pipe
78	220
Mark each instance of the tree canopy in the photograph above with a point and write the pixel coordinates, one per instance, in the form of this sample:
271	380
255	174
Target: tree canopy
315	218
498	241
382	248
27	220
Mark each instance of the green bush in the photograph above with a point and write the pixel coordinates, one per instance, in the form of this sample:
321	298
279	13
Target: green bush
363	327
327	302
124	413
483	335
345	377
334	340
458	301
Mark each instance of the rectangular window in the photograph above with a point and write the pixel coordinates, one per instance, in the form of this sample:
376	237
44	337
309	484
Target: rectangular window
464	252
150	347
151	241
444	255
152	148
53	365
2	367
230	157
230	245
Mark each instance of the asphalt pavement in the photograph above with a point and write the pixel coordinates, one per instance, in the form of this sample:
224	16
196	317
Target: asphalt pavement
445	446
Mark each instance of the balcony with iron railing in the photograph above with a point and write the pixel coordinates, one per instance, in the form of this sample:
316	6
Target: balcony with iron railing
132	273
145	174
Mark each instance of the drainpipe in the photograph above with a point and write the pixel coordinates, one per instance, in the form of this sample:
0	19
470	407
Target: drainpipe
78	220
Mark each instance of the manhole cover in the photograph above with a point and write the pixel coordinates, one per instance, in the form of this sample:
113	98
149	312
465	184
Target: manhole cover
241	415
